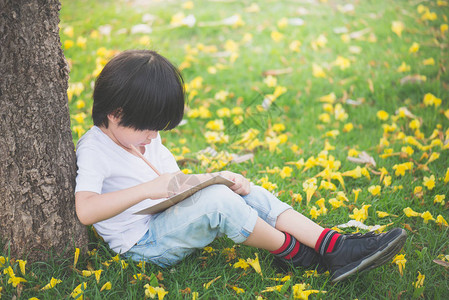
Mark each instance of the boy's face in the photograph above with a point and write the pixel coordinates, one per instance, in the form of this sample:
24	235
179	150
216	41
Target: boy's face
125	136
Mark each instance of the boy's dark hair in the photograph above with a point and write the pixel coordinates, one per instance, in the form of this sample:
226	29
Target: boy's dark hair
142	88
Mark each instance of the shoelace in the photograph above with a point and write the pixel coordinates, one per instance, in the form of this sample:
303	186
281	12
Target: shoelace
360	235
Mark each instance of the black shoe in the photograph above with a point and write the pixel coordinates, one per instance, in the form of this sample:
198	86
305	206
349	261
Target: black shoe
306	258
362	252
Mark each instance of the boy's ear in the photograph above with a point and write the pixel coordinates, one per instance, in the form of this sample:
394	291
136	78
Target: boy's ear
114	116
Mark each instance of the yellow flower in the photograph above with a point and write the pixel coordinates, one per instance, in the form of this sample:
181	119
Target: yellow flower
429	182
428	16
318	71
328	98
22	264
188	5
309	186
409	150
414	124
427	216
77	254
106	287
276	36
3	261
238	290
267	184
286	172
400	260
446	177
340	113
417	190
382	214
255	264
52	284
403	68
441	221
320	42
81	42
314	212
241	264
410	212
360	214
414	48
356	194
153	291
444	28
397	27
433	156
68	44
342	62
374	189
439	199
77	293
382	115
272	288
327	185
68	31
294	46
270	81
353	153
430	99
332	133
419	280
300	292
215	125
387	180
336	203
324	117
16	280
321	204
348	127
428	62
78	130
401	168
123	264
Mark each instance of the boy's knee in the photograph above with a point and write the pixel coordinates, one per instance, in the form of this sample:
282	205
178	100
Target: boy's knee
220	198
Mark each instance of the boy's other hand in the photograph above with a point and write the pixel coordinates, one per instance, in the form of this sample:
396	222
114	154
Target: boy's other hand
241	186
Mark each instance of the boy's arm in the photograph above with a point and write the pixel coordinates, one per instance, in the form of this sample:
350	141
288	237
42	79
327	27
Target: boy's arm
92	207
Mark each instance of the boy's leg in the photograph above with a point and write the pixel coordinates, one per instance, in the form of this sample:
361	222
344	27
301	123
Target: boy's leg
300	233
195	222
342	255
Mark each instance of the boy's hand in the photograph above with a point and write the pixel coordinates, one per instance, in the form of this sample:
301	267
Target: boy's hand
178	182
242	185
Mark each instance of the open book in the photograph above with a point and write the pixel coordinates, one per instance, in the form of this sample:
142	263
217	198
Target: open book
160	205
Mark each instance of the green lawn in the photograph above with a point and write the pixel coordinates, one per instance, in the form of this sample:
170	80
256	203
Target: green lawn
301	85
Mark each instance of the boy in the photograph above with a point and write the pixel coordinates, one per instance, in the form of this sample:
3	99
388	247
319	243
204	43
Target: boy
139	93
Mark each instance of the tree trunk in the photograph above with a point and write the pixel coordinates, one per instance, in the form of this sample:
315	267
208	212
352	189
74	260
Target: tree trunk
37	158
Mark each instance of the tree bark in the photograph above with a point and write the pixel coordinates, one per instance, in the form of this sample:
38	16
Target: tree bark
37	158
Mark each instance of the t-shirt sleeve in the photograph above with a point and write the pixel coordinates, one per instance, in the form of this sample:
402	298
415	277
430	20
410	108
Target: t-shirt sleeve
92	170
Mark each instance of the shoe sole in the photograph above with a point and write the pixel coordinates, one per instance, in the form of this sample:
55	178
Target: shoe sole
377	259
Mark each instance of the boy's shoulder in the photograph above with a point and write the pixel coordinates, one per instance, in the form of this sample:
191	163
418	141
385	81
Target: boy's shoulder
92	139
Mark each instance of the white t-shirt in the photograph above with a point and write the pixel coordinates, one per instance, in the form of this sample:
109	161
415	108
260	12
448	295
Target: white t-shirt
104	166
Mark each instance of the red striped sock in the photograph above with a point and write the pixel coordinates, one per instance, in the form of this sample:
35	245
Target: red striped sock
327	242
289	248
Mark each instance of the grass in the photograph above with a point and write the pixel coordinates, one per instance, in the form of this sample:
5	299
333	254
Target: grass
231	61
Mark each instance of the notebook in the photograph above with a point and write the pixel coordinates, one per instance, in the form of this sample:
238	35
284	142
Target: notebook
164	204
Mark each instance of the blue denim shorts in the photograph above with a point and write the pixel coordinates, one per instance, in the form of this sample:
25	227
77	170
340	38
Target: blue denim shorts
195	222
